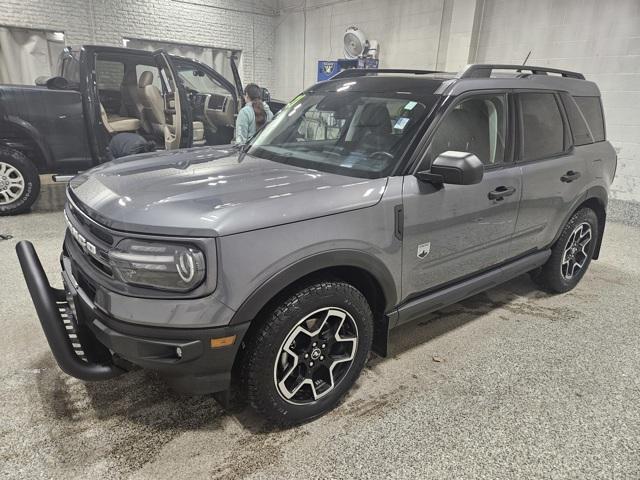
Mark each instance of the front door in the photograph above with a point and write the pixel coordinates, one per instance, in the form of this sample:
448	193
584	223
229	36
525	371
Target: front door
454	231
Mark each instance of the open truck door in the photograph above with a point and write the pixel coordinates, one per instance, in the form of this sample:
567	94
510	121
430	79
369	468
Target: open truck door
274	105
178	128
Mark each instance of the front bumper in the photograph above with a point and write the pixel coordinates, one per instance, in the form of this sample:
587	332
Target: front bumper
90	345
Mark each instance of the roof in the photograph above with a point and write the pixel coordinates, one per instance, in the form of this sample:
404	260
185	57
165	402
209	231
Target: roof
382	83
473	77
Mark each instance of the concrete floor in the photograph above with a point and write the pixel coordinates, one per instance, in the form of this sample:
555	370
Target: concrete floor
512	383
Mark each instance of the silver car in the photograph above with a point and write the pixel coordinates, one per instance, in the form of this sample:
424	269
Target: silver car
368	201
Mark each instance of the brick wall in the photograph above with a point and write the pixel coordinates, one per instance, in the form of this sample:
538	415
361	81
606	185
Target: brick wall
246	25
600	39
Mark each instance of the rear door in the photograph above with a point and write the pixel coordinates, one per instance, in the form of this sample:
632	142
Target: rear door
454	231
176	105
553	171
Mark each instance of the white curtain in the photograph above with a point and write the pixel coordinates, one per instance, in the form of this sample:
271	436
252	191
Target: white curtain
27	54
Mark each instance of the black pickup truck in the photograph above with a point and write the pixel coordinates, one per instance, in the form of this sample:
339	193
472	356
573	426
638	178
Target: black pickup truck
64	124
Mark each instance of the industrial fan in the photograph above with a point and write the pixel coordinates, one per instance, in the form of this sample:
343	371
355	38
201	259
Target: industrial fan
359	52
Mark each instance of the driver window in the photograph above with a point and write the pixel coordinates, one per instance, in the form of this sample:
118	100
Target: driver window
476	125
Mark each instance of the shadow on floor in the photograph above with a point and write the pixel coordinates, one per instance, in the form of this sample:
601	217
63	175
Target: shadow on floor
512	298
51	199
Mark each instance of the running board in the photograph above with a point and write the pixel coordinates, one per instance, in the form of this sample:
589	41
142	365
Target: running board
62	178
435	301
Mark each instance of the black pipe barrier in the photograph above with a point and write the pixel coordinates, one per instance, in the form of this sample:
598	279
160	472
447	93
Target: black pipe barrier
44	299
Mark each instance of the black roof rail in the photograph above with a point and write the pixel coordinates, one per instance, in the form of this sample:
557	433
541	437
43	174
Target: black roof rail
481	70
361	72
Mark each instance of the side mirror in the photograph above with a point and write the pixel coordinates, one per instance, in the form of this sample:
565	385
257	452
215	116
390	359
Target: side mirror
41	81
456	168
53	83
266	96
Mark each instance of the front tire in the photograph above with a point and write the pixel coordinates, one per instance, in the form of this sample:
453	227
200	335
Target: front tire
19	182
571	254
308	352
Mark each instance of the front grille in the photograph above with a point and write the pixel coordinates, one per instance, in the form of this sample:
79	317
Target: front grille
91	240
96	230
85	284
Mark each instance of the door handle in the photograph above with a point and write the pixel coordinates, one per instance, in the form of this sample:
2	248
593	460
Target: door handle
570	176
501	192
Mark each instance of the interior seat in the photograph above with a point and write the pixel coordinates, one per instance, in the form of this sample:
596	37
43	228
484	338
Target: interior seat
374	120
132	105
198	133
117	124
152	103
153	109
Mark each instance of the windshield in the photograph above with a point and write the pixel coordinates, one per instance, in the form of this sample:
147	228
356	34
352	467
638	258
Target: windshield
362	134
198	80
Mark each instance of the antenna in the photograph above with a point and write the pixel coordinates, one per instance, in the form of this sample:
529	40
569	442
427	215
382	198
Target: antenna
526	58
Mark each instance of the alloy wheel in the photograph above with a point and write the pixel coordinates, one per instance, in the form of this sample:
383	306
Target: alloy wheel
11	184
576	251
316	355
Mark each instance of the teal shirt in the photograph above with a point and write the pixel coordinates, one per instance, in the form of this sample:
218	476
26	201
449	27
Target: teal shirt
246	123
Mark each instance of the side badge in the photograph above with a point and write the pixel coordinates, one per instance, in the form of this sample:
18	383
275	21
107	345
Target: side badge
424	249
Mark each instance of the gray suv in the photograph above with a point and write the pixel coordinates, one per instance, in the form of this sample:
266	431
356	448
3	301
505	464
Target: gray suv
370	200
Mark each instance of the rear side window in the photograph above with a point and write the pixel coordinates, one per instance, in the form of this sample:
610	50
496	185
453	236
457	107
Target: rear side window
591	109
542	126
579	128
109	74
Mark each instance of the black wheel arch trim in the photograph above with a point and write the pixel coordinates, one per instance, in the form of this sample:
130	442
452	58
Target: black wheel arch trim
252	306
598	193
30	133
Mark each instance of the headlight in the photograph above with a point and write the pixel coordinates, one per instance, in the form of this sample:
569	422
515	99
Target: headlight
164	266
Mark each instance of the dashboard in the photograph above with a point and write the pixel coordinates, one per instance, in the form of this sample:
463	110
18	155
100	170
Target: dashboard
213	109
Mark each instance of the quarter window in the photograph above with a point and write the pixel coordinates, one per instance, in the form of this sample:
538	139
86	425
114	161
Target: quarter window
476	125
542	126
579	128
592	110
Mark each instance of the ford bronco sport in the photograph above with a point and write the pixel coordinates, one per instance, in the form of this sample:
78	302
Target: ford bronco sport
64	125
370	200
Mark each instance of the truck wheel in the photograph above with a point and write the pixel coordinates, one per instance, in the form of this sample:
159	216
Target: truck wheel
571	254
308	352
19	182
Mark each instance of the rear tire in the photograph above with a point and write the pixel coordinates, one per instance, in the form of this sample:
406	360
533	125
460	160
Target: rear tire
19	182
571	254
308	352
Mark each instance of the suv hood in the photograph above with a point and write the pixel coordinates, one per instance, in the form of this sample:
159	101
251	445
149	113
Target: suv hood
213	191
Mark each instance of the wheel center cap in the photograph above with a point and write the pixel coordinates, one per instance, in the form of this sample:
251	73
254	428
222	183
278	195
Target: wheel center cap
315	353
